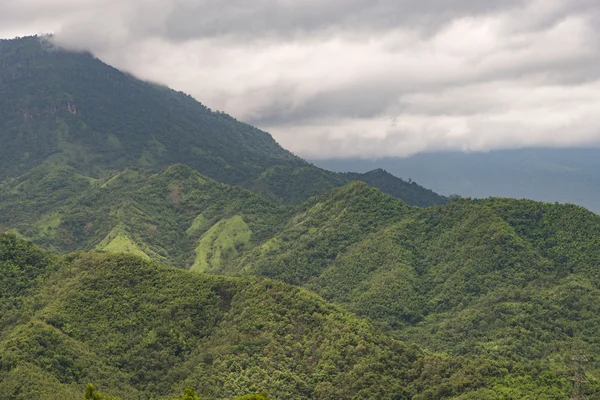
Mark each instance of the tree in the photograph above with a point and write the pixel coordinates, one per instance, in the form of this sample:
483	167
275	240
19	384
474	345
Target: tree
254	396
90	393
189	394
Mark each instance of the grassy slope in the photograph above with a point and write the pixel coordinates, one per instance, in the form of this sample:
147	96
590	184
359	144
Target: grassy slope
163	216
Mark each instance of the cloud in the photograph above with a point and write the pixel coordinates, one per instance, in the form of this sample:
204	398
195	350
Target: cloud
356	77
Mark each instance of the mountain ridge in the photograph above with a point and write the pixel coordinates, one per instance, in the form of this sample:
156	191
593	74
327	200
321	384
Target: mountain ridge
70	108
303	282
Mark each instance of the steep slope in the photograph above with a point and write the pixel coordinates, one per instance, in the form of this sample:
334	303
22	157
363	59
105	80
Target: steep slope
321	229
162	216
138	329
507	283
72	108
409	192
65	108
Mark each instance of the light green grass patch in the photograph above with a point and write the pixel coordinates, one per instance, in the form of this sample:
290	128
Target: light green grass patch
48	224
220	243
119	242
200	224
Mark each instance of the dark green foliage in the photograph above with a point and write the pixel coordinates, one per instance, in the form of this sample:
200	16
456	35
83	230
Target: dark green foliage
65	108
72	108
140	330
23	267
409	192
510	285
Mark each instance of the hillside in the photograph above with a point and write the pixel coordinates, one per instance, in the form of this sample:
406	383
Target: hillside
160	216
138	329
321	229
510	285
119	181
503	282
65	108
71	108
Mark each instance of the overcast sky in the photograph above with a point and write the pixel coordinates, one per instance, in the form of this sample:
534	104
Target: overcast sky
366	78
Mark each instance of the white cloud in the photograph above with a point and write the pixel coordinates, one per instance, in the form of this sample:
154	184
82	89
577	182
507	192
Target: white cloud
350	78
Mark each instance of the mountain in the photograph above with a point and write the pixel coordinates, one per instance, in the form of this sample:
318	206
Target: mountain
563	175
71	108
162	216
178	216
291	279
138	329
508	283
64	108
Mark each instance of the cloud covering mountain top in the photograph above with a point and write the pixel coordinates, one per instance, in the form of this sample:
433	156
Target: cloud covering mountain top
356	77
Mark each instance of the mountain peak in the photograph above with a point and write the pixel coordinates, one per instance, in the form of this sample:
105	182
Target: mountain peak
70	108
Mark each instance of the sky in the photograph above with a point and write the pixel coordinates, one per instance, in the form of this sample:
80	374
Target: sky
356	78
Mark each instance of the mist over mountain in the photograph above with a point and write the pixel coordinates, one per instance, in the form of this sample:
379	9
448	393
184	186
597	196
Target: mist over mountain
69	108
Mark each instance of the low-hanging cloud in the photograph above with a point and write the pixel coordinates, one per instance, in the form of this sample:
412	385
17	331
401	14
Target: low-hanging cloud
356	77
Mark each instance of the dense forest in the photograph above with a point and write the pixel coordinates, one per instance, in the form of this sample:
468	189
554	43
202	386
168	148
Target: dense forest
65	108
154	249
139	330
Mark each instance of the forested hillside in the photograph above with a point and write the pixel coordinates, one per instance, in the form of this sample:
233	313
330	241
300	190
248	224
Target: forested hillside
65	108
141	330
160	216
179	247
510	284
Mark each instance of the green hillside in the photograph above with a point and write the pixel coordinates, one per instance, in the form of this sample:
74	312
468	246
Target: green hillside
119	181
321	229
71	108
66	108
138	329
508	283
162	216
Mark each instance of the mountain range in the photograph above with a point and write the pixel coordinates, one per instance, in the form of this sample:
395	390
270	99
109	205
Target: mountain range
564	175
154	245
65	108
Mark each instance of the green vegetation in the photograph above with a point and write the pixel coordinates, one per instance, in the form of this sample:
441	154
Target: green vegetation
510	285
122	244
114	178
223	241
165	216
141	330
91	393
65	108
323	227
